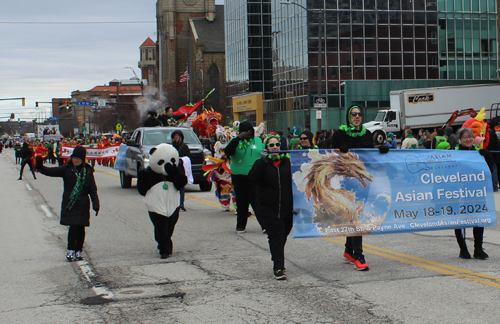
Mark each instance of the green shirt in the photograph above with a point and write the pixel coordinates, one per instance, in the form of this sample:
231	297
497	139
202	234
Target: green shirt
245	156
293	141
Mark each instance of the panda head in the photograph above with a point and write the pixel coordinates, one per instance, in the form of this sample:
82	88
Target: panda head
161	154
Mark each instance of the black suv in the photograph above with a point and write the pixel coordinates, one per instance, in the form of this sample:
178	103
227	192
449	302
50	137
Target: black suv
145	138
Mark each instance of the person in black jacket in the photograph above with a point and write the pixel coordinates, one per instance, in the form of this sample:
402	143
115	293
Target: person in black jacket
79	184
274	202
350	136
26	155
465	138
151	121
183	149
169	119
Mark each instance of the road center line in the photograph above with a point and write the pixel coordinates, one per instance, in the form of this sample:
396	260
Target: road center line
427	264
46	210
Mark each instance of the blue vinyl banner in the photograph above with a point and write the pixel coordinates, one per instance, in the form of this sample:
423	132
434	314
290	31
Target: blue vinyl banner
365	192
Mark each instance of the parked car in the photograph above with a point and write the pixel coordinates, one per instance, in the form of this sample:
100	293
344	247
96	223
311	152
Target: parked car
145	138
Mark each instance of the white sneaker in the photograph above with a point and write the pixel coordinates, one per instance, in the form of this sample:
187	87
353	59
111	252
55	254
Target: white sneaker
70	256
78	255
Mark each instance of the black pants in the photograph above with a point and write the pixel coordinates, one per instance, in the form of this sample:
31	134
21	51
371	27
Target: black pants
244	188
354	245
164	228
76	237
477	232
277	232
60	161
23	164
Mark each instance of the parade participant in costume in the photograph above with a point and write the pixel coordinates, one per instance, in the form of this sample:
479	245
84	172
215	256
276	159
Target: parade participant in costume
274	208
350	136
79	184
26	154
207	122
243	150
220	171
152	121
183	149
17	149
160	184
465	138
167	118
306	141
480	128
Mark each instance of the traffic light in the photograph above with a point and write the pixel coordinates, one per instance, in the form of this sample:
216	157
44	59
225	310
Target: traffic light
36	104
19	119
68	103
24	102
12	116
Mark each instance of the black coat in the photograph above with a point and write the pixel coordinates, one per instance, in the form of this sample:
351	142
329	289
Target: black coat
151	122
340	138
274	188
25	152
80	212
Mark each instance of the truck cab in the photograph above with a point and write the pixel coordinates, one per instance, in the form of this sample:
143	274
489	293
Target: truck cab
387	120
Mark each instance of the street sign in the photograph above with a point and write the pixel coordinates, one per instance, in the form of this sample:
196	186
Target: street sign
84	103
53	118
119	127
318	114
320	102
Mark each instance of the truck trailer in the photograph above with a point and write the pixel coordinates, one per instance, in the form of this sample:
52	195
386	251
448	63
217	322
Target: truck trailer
430	108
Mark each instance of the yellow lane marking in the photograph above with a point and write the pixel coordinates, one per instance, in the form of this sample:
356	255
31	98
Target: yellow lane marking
427	264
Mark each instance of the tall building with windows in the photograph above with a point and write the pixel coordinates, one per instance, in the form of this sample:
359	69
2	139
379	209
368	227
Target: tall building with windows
357	51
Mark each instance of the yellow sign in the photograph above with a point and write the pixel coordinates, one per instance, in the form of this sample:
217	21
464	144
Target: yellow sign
119	127
247	103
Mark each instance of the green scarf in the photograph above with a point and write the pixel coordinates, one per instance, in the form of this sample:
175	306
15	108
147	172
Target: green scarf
77	190
278	157
352	132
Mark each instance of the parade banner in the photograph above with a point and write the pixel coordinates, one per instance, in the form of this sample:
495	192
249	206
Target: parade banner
121	162
92	152
365	192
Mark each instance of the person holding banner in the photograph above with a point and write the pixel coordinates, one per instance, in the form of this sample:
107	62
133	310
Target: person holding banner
465	138
306	141
350	136
79	184
274	203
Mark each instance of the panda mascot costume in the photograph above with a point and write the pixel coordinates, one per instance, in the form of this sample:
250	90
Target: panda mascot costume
160	184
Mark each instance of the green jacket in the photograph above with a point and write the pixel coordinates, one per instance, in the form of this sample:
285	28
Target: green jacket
245	156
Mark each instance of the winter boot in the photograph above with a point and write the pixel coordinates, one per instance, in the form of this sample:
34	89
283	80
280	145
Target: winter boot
478	244
460	235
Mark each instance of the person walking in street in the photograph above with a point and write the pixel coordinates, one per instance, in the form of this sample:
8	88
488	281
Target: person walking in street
183	149
465	138
26	154
274	208
79	184
17	151
350	136
243	150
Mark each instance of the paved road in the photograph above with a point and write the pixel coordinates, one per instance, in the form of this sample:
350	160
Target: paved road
217	276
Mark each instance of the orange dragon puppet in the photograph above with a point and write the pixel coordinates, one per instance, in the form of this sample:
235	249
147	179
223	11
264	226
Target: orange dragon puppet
207	122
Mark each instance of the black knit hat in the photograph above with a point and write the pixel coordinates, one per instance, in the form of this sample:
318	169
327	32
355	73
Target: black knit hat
309	136
79	152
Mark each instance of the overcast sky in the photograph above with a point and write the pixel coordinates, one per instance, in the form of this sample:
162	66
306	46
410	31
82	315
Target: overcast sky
45	61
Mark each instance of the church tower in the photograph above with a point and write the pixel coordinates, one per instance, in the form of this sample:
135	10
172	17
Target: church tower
147	64
173	27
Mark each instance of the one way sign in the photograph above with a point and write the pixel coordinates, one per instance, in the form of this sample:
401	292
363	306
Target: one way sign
320	102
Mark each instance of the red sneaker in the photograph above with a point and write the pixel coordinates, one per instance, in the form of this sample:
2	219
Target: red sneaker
361	265
348	258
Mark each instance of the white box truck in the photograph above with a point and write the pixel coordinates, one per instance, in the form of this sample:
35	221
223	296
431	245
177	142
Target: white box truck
431	107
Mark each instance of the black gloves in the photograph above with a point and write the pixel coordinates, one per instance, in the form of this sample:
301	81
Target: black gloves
171	169
383	149
344	149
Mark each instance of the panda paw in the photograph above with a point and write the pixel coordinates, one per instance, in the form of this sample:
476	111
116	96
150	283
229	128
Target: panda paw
171	170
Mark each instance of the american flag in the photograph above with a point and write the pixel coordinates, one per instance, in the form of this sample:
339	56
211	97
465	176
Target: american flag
184	77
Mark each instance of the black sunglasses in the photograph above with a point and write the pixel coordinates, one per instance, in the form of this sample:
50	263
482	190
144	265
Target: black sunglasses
360	114
304	138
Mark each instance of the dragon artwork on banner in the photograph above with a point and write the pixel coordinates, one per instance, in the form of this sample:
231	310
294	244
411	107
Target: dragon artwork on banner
321	180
